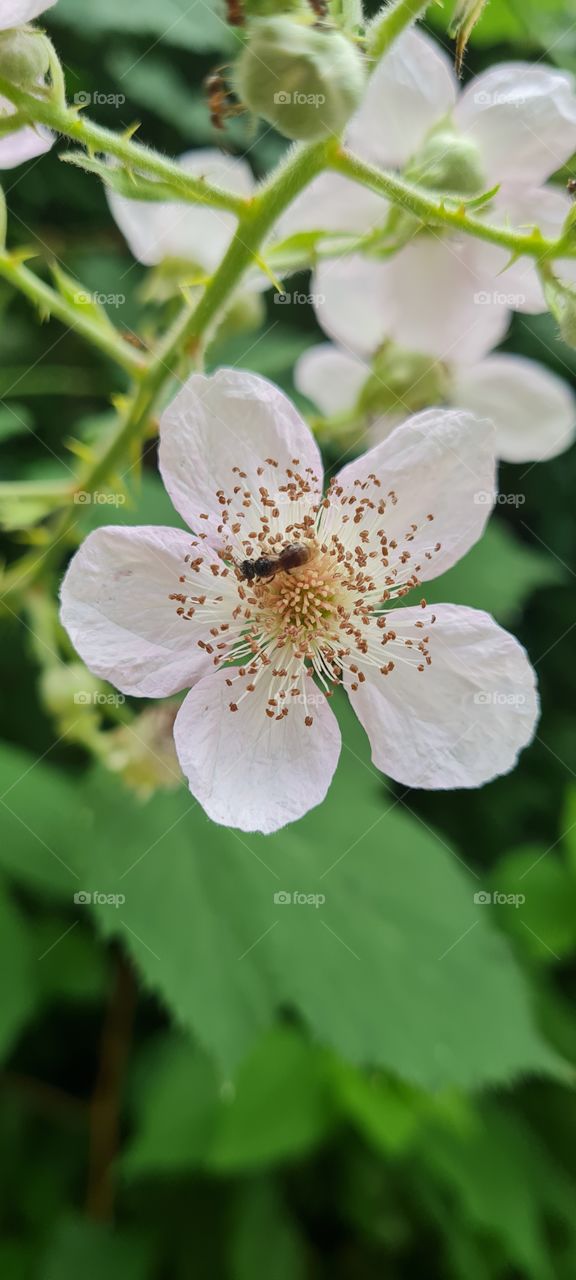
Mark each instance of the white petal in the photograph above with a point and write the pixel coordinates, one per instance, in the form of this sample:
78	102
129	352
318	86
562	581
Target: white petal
333	203
516	285
331	378
156	231
523	117
425	298
16	12
412	88
461	721
117	611
24	144
247	770
231	419
533	410
438	463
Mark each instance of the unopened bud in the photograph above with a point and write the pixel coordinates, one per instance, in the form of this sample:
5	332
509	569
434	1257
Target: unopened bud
24	56
403	382
305	80
67	689
145	755
448	162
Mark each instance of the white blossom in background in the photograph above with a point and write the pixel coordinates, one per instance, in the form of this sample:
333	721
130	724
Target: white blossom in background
176	231
29	142
514	125
533	410
446	697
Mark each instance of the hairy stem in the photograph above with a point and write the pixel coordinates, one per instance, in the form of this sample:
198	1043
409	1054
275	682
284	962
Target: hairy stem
390	22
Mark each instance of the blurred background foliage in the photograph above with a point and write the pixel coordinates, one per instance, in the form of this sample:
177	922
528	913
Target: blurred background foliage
203	1082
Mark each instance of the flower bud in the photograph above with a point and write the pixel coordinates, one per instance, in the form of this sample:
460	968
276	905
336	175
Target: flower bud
448	162
305	80
67	690
561	300
24	56
402	381
145	756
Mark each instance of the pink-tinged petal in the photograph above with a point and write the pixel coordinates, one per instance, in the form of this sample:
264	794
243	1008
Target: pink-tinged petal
440	463
412	88
462	720
170	229
117	611
523	117
333	203
430	298
230	423
331	378
516	285
15	13
246	769
25	144
533	410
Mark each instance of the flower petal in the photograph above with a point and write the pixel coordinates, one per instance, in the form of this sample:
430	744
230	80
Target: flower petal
25	144
245	769
523	117
461	721
533	410
411	89
16	12
441	464
173	229
229	423
117	611
333	203
331	378
425	298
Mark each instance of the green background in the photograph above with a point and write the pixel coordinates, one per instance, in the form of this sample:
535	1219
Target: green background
203	1082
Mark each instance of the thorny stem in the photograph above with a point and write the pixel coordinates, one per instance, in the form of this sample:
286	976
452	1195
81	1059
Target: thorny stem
389	24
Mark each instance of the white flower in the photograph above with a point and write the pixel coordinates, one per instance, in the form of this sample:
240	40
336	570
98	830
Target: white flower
24	144
518	122
533	410
178	231
446	697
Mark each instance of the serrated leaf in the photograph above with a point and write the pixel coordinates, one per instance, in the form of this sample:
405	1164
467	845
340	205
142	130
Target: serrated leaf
177	1101
43	822
87	1249
17	991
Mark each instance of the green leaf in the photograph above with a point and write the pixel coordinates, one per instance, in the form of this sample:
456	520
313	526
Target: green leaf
263	1228
81	1248
176	1103
17	991
543	915
279	1107
397	967
498	575
15	419
199	26
43	823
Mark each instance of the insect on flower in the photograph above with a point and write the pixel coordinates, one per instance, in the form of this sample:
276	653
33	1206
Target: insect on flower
285	590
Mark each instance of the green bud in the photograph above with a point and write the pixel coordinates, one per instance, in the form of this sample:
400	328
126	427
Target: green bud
24	56
447	162
402	381
246	312
145	756
68	690
561	301
305	80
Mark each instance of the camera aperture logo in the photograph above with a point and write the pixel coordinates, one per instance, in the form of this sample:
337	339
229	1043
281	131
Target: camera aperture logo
96	899
296	899
484	897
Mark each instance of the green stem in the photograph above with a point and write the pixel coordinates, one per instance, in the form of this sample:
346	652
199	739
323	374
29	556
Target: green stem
69	122
186	334
390	23
431	210
51	302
